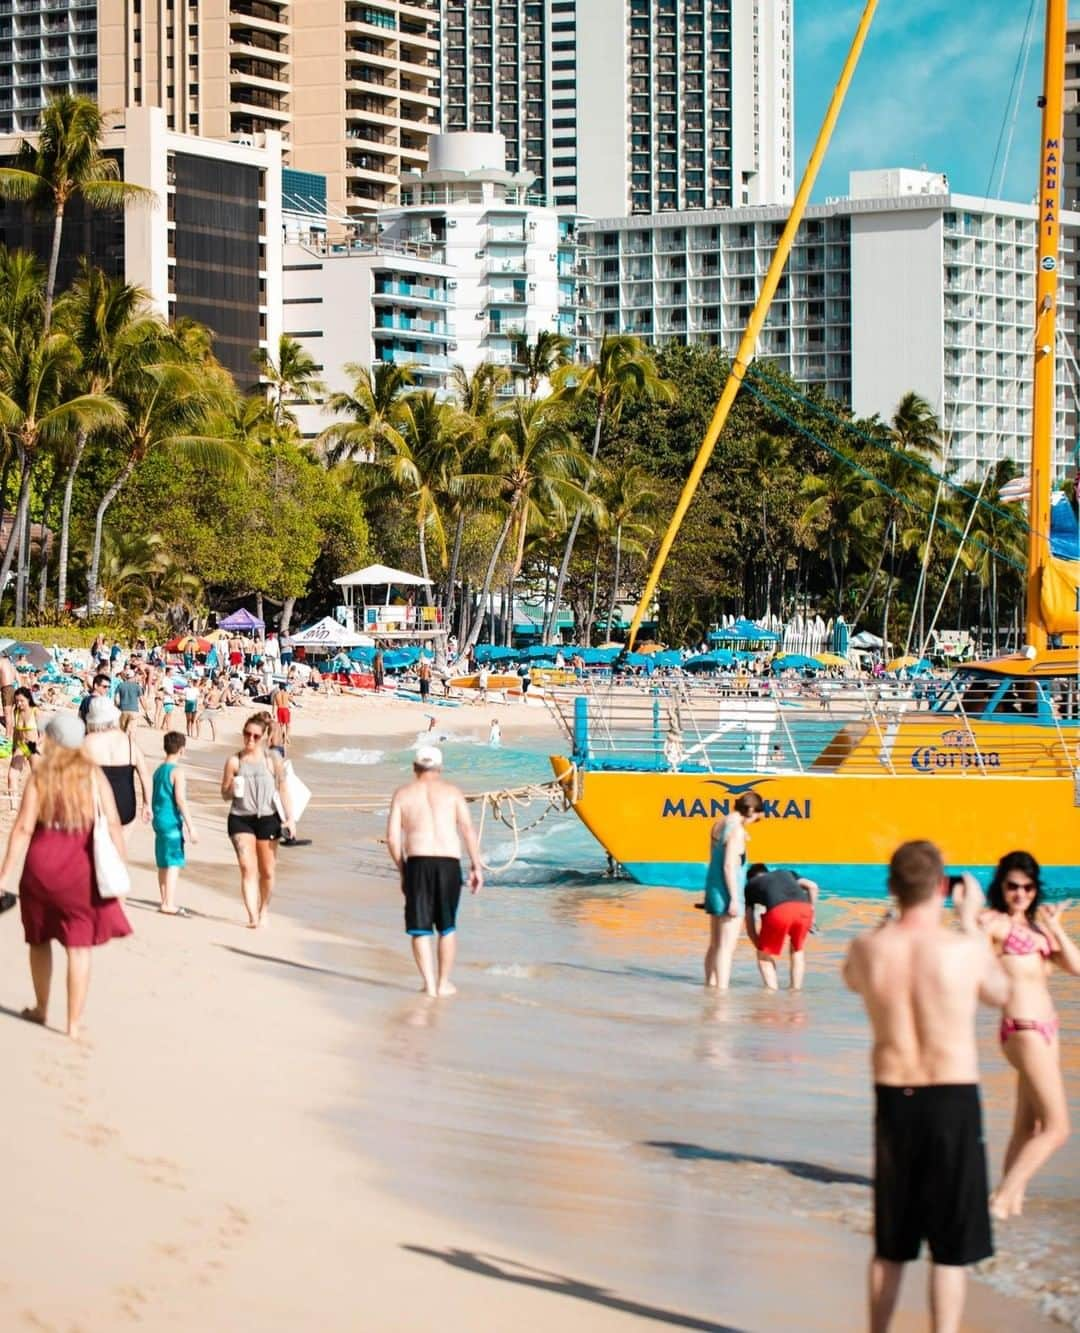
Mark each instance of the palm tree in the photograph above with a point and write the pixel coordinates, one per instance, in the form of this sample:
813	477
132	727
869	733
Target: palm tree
39	404
914	434
372	408
629	498
832	512
476	395
623	371
294	374
539	360
997	538
534	466
111	322
171	400
420	459
65	163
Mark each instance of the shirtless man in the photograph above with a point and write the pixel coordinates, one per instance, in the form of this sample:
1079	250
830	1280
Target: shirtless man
428	822
921	985
8	682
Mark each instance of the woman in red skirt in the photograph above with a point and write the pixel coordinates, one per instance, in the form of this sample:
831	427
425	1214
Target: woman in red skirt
58	892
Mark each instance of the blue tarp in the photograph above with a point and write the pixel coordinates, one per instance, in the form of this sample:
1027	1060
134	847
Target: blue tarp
796	662
1064	529
493	652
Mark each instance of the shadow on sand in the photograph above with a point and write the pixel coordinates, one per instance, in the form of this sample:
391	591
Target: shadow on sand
310	967
824	1175
509	1270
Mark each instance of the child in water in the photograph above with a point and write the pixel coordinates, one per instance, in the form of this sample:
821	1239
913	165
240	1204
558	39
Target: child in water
495	734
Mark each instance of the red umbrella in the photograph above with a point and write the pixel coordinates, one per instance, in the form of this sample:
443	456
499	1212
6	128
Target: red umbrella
188	643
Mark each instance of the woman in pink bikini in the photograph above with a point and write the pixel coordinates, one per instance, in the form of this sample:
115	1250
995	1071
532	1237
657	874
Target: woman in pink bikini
1029	938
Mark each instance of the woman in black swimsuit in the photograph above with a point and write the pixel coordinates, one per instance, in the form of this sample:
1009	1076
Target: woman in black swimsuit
118	757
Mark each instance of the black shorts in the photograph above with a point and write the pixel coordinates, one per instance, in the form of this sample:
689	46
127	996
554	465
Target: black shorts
425	688
263	828
432	892
930	1174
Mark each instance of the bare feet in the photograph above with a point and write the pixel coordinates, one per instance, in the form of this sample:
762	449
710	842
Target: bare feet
33	1014
1003	1207
73	1031
446	988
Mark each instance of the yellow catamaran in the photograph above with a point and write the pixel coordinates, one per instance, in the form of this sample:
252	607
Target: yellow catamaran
994	764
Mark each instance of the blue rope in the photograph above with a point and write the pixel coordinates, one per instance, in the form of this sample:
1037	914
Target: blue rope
913	459
908	503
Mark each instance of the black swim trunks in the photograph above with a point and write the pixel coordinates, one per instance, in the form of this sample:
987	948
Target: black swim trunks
432	893
930	1174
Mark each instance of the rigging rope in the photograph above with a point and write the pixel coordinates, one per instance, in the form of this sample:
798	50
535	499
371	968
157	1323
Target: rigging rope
1014	516
905	500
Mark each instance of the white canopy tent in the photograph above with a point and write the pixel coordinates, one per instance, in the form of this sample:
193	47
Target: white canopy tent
328	635
390	622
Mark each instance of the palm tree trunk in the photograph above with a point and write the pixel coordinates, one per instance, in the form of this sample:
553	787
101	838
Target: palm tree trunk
571	538
99	523
259	609
489	575
421	532
586	637
615	578
286	614
65	522
22	576
21	505
451	580
46	510
871	585
54	263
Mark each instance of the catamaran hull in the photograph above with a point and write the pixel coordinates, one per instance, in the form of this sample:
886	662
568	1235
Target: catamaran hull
838	829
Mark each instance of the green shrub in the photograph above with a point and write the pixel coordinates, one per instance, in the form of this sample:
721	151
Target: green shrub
67	636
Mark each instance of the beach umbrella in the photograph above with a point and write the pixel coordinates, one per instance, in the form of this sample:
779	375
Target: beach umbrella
901	663
188	643
31	654
711	661
831	659
795	662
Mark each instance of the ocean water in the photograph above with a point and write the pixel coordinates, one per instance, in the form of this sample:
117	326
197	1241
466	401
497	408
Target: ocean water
584	1097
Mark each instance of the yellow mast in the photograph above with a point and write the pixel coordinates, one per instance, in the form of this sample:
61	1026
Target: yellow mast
745	354
1051	180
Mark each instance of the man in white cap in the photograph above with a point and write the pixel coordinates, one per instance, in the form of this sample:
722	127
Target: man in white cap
428	822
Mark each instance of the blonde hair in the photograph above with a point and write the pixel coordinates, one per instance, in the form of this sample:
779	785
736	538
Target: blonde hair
65	788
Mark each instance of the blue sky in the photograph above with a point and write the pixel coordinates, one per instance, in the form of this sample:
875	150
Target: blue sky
932	89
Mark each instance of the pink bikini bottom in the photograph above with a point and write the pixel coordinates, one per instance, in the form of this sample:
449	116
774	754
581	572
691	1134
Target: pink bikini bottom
1046	1028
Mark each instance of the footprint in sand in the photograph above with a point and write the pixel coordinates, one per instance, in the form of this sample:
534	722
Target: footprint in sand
132	1303
161	1171
95	1135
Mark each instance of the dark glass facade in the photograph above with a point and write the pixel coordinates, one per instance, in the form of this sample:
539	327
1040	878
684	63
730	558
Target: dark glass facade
218	256
98	234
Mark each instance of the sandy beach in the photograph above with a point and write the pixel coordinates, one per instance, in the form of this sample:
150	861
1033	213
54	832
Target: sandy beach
271	1129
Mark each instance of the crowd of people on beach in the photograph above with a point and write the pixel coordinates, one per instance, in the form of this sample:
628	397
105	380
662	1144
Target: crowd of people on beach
84	781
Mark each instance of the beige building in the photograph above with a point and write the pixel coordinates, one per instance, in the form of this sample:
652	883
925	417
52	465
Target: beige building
352	86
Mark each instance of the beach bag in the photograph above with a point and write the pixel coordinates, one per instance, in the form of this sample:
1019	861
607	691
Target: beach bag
113	880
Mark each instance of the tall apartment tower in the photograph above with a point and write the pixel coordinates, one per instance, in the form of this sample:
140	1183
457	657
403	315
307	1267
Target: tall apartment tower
628	106
1072	114
351	85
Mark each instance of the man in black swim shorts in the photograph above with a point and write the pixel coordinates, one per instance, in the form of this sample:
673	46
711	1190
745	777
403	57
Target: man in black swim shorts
921	984
428	822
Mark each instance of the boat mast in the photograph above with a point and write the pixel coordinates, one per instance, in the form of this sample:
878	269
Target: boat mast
745	355
1051	179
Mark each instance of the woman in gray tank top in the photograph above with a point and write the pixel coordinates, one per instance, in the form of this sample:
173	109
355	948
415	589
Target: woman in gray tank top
254	784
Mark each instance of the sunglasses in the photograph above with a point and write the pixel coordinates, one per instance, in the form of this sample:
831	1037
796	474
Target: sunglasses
1016	886
253	735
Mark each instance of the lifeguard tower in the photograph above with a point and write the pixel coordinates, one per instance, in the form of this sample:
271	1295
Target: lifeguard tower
383	617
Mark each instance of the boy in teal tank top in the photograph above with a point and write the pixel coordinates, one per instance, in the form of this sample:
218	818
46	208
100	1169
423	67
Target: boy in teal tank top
170	819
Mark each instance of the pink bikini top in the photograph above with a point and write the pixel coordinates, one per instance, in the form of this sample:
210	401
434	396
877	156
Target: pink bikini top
1022	940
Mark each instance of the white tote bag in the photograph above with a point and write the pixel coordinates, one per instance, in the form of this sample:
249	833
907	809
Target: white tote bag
113	880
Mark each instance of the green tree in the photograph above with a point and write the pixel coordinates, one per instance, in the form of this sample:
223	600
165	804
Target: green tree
623	371
539	360
534	467
111	323
372	407
629	498
67	162
293	375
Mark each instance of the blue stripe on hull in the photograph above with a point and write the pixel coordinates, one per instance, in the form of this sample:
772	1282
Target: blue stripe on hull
838	880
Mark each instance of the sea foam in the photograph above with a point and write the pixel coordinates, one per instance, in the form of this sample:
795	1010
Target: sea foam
348	756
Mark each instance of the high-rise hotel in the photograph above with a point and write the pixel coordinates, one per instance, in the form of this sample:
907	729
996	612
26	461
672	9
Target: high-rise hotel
351	85
629	106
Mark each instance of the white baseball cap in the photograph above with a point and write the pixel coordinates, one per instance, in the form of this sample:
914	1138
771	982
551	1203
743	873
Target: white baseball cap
428	756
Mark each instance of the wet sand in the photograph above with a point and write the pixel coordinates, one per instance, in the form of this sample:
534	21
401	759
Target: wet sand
271	1129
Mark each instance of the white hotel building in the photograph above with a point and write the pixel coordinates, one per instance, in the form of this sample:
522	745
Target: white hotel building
902	286
454	276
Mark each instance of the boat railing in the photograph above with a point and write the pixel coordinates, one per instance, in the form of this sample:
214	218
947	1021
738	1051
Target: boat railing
686	728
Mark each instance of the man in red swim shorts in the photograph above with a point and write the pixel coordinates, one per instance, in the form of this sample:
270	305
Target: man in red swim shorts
787	901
